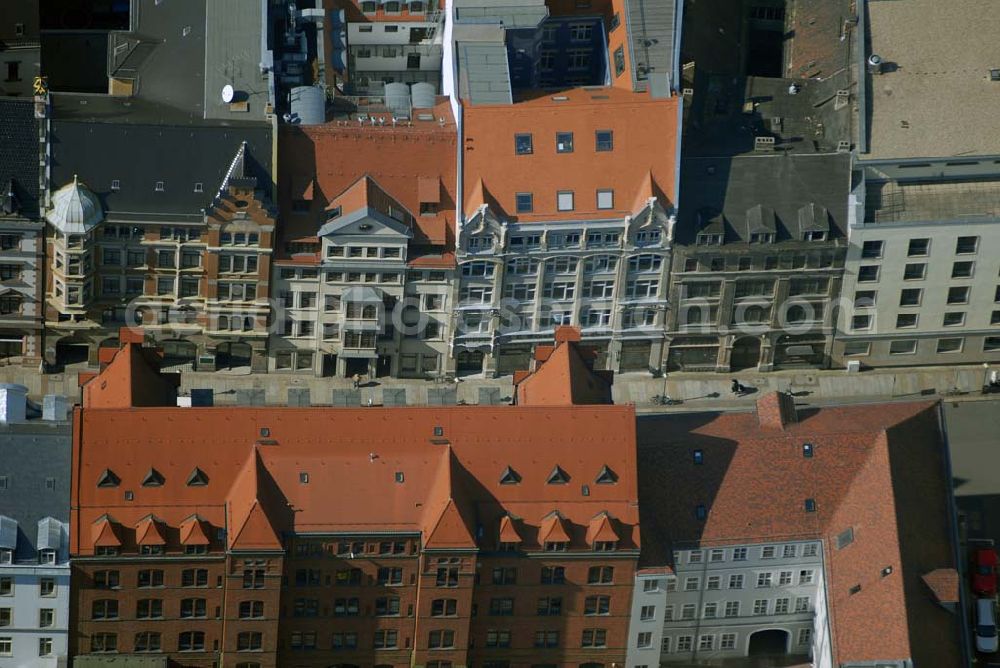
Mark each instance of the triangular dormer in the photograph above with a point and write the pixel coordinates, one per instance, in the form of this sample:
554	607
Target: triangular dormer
153	478
557	477
510	477
606	476
197	478
194	531
509	533
108	479
366	208
150	530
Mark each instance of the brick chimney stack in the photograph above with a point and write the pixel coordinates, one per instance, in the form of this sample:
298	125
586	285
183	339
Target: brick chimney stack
776	409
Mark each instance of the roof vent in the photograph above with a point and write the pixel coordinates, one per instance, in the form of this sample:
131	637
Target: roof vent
875	64
303	477
559	98
439	431
855	589
509	477
606	476
153	479
885	572
265	432
557	476
585	490
399	476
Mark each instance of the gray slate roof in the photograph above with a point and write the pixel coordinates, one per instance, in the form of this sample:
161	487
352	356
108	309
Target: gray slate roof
483	74
651	27
31	453
791	191
19	154
140	155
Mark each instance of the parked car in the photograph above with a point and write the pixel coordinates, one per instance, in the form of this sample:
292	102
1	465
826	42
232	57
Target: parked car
984	572
986	625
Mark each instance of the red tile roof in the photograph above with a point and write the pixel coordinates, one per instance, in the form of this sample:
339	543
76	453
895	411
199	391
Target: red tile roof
563	375
878	470
640	165
403	160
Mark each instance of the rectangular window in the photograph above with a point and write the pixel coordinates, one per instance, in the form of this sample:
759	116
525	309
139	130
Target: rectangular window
605	199
760	606
739	554
962	269
918	247
871	250
949	345
966	245
564	142
736	581
954	319
604	140
910	296
525	202
727	641
904	320
523	144
914	271
959	295
868	273
565	200
861	322
619	56
732	608
906	347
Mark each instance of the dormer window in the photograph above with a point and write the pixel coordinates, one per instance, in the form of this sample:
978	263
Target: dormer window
199	187
605	546
815	236
108	479
762	238
46	556
699	457
510	477
153	479
700	512
557	477
6	556
106	551
709	239
196	549
509	547
197	478
159	187
556	546
116	184
149	550
606	476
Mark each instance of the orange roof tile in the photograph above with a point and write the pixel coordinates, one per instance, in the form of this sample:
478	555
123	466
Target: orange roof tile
563	377
150	531
876	469
251	527
508	530
194	531
645	136
554	529
397	158
104	532
945	584
601	529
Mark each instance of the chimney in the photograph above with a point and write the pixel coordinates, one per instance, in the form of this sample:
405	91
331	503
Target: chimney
13	402
776	409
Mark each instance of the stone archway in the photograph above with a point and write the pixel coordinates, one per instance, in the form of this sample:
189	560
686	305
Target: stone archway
770	642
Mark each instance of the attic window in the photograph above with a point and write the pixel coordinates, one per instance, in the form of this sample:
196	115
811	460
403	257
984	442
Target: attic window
807	450
439	431
556	546
509	477
129	495
303	478
265	432
108	479
810	505
153	479
199	187
334	213
197	478
700	512
585	490
116	184
399	476
855	589
845	538
557	477
159	186
606	476
699	456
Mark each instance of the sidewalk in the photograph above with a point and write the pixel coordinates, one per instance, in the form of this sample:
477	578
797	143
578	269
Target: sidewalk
697	391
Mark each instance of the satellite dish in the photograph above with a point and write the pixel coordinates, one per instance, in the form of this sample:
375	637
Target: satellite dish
227	93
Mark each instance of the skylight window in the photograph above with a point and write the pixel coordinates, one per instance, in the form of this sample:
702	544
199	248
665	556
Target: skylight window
700	511
699	456
810	505
807	450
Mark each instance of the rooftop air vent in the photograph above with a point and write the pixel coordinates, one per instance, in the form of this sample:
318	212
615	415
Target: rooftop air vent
875	64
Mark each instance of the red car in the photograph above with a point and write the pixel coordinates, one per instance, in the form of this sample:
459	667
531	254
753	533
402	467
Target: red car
984	572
